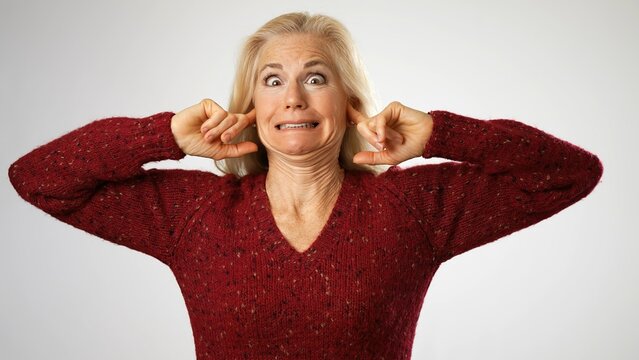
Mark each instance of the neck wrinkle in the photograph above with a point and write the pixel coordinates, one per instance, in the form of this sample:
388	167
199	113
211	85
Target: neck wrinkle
296	186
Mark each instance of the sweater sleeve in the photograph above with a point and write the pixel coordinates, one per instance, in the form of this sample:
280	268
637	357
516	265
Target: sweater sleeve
92	178
505	176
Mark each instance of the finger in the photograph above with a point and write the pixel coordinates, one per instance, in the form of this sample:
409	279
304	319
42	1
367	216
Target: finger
244	121
209	107
222	127
377	126
392	112
381	129
373	129
213	121
250	116
233	131
237	150
355	116
370	123
372	158
370	136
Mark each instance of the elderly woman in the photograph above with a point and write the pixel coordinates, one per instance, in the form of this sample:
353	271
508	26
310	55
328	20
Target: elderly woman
305	249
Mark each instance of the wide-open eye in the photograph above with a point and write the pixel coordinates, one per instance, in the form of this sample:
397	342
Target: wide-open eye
272	80
317	79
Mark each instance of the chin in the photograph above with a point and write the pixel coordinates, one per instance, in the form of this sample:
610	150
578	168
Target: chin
296	148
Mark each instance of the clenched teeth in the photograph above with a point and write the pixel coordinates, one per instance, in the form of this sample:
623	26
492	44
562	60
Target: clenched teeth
297	126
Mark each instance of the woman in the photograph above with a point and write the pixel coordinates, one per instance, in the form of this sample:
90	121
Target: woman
305	249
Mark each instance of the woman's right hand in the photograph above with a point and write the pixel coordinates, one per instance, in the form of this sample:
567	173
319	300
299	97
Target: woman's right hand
205	129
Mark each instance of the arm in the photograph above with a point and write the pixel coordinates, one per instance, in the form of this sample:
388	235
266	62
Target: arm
92	179
508	176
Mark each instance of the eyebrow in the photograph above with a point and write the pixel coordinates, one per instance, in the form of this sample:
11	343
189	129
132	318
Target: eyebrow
307	65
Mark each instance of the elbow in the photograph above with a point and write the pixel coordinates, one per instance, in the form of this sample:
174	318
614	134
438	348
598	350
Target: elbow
26	186
18	181
585	179
594	172
557	193
29	187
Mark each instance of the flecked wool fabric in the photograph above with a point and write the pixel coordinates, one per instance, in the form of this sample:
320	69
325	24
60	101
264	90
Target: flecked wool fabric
357	292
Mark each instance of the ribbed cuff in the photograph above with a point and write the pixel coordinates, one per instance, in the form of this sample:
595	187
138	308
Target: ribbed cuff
147	139
164	145
455	137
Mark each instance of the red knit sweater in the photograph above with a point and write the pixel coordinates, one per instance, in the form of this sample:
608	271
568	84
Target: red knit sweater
357	292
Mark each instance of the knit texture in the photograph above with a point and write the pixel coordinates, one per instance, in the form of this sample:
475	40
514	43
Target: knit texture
357	292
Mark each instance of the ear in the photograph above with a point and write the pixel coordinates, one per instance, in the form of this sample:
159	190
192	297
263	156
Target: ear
355	103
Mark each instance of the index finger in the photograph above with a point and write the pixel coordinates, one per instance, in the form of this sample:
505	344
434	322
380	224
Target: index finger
355	115
250	116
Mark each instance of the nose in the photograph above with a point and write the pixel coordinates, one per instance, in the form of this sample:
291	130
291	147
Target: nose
295	96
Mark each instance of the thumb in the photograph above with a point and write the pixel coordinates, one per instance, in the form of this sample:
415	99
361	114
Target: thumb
372	158
237	150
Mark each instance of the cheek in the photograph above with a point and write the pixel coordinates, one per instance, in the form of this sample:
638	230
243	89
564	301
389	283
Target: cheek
338	110
264	107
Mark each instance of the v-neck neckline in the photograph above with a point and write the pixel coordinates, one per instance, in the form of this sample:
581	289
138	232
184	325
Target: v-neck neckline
268	225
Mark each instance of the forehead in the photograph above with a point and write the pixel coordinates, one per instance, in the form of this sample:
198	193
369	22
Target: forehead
293	49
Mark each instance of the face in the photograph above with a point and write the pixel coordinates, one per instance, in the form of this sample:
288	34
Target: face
300	103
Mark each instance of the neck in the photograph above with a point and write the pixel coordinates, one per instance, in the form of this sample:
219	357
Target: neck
294	186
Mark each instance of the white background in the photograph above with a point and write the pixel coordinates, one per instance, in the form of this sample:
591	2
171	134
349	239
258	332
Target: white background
565	288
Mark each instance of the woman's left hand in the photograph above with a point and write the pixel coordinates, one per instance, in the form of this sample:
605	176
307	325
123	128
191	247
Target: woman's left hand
415	128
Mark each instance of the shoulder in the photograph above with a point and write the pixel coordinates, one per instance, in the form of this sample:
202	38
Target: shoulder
198	181
424	177
397	173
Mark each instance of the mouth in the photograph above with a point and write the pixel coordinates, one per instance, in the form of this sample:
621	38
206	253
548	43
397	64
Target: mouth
301	125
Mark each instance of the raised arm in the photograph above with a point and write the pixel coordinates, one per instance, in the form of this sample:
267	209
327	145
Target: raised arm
507	176
92	178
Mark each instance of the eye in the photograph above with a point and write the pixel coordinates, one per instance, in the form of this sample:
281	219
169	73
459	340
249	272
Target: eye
317	79
272	80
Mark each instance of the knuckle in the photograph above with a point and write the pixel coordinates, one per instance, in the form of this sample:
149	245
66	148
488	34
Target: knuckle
208	103
218	116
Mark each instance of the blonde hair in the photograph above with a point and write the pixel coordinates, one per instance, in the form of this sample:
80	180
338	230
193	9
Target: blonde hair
339	47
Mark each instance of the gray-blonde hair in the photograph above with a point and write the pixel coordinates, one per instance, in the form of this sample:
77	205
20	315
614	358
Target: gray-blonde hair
339	47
